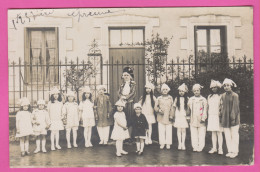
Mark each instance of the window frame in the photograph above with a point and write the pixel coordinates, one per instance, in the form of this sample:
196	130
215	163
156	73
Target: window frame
41	67
125	28
223	43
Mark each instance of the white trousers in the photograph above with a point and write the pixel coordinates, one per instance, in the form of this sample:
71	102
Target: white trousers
198	137
165	134
103	133
232	139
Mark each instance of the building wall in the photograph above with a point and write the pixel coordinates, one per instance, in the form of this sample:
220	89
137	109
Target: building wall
76	34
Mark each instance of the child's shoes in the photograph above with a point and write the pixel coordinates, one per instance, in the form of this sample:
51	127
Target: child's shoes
52	148
75	145
183	147
140	153
162	146
124	152
179	147
220	152
90	145
36	151
44	150
86	145
233	155
58	147
27	152
213	151
168	146
105	142
69	146
22	154
228	154
101	142
118	154
150	142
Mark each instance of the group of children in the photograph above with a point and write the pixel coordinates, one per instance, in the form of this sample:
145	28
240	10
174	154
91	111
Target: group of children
135	120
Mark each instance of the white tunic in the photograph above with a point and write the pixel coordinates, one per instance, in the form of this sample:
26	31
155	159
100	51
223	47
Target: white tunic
55	112
87	113
70	111
40	120
213	113
118	132
148	110
24	123
180	114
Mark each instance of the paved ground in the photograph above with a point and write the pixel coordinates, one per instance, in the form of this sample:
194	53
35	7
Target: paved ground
105	155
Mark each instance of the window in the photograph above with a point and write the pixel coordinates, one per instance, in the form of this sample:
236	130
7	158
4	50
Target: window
41	55
125	37
210	46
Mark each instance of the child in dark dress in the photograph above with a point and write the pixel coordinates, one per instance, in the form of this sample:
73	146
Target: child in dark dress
140	128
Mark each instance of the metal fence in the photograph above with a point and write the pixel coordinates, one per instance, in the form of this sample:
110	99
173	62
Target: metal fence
36	80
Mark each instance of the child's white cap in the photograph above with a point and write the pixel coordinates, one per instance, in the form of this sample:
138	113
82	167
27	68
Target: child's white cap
183	87
149	85
137	105
24	101
41	102
86	89
165	86
99	87
120	103
229	81
54	90
70	93
197	86
215	84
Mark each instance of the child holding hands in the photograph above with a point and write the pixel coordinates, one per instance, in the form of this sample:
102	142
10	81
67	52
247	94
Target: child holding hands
120	131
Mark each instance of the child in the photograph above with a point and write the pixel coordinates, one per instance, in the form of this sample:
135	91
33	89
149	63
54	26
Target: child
148	101
164	110
120	131
24	126
41	122
71	117
87	115
140	128
179	107
102	111
198	109
127	93
213	117
55	111
230	117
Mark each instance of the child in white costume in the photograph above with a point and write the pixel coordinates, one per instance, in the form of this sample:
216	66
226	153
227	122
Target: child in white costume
120	131
198	109
71	118
55	111
87	115
180	107
148	102
213	117
24	126
230	117
41	122
164	110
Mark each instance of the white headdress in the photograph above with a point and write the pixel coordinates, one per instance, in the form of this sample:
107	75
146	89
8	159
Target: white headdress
183	87
229	81
215	84
197	86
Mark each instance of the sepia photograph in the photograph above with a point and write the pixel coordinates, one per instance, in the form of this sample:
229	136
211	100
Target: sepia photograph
131	87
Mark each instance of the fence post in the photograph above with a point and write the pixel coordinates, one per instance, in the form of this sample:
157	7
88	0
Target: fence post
66	66
20	85
37	65
14	83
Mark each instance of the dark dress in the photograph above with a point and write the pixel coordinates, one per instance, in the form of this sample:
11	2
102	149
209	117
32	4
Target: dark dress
140	125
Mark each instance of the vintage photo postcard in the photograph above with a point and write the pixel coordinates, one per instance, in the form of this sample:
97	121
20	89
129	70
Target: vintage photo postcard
131	87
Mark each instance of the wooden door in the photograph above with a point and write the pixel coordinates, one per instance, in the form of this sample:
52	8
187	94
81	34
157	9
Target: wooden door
120	58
